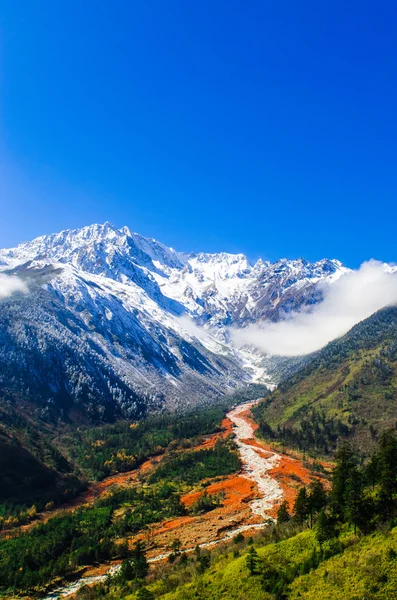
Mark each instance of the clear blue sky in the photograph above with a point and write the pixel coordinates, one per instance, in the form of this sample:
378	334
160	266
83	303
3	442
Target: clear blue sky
263	127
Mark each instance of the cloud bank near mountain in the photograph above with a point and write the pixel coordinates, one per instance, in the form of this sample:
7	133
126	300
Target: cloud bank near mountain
9	284
353	298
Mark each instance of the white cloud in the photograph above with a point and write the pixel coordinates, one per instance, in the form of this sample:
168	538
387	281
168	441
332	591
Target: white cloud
9	284
189	326
194	331
354	297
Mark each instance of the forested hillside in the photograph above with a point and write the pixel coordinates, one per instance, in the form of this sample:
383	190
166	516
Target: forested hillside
349	390
95	529
32	468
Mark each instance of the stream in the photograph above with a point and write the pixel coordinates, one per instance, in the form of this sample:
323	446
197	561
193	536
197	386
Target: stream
256	462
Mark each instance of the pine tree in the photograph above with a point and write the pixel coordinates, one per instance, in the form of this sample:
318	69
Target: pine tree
346	464
372	471
282	514
145	594
325	527
387	472
354	498
204	561
176	545
135	567
253	561
300	509
316	500
127	572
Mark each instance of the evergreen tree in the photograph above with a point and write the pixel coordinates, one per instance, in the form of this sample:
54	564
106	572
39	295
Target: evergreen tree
282	514
325	527
253	561
387	472
127	572
176	550
204	561
145	594
273	580
176	545
316	500
300	509
371	471
354	506
346	464
135	567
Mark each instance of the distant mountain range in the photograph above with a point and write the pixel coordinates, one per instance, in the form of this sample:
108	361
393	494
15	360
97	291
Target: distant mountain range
115	323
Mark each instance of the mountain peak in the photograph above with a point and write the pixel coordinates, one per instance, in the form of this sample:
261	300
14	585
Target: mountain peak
126	231
120	295
119	254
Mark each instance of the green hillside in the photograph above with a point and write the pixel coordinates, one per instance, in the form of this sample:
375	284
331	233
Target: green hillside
366	569
349	389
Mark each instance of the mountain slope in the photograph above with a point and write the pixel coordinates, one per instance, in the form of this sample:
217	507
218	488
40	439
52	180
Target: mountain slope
32	468
79	348
348	388
349	574
115	323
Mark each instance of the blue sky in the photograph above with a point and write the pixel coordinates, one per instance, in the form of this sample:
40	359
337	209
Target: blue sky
262	127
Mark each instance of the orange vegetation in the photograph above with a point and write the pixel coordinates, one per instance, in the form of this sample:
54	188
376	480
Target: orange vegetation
209	527
238	490
291	474
94	491
210	440
119	479
248	417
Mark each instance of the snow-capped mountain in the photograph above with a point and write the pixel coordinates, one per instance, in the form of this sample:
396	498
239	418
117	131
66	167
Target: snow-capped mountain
116	322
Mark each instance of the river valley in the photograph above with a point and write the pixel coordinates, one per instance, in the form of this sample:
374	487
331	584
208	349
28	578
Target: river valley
250	501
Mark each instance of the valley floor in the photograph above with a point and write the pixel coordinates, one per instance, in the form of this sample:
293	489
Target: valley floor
250	498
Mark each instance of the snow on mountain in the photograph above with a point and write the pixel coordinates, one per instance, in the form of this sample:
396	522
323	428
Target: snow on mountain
115	322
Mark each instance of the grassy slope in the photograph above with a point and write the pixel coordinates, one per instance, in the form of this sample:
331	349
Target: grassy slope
230	578
345	381
365	570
